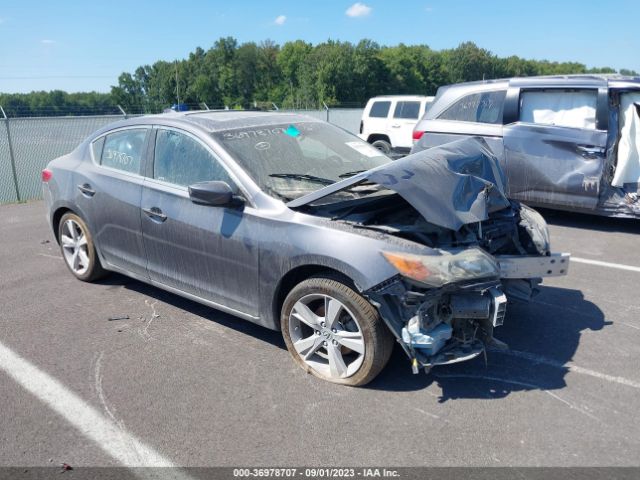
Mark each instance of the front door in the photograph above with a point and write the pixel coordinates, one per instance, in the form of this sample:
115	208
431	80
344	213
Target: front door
206	251
555	152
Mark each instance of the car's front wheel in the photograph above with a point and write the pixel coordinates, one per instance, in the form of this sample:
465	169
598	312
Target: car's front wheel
78	250
334	333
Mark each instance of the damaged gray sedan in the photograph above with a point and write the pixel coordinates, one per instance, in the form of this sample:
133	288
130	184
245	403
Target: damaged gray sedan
299	226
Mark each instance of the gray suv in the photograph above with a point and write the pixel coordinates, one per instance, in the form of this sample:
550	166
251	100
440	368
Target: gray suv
566	142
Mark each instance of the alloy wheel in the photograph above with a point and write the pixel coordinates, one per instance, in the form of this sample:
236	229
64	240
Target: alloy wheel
75	247
327	336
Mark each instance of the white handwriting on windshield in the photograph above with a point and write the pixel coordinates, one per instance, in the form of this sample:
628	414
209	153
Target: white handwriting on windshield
262	132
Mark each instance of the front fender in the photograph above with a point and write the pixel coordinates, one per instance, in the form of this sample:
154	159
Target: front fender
322	245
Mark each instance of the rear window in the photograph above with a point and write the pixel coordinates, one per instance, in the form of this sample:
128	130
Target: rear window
410	110
562	108
484	107
123	150
380	109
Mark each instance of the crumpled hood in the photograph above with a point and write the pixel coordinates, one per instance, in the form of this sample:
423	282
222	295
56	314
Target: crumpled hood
450	185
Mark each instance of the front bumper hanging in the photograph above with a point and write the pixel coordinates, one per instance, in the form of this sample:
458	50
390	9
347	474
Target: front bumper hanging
518	266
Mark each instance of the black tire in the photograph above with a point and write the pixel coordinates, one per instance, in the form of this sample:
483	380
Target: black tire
383	146
378	341
94	270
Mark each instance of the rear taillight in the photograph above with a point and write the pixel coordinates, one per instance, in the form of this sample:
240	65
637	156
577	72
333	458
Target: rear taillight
417	135
46	175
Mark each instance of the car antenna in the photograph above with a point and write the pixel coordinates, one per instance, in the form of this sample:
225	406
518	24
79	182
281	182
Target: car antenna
177	84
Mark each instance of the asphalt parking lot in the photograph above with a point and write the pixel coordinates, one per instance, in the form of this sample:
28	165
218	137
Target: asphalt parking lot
178	383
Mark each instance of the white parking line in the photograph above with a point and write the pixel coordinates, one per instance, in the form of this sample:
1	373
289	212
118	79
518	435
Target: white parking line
619	266
572	368
116	442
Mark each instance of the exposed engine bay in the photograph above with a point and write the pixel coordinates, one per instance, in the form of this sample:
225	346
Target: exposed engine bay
505	232
482	249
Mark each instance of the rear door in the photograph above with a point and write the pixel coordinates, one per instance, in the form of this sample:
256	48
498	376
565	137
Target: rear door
108	191
555	150
405	116
207	251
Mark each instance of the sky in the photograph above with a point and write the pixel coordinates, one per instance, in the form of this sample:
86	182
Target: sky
85	45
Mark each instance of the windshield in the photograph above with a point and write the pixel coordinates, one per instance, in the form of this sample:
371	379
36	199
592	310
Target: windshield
291	160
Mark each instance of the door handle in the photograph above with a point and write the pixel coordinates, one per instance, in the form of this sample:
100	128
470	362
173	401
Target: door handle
155	213
395	125
591	152
86	190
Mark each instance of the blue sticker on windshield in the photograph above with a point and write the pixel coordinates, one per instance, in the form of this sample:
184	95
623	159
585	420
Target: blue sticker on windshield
292	131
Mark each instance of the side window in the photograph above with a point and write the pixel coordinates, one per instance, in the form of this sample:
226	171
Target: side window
380	109
484	107
409	110
184	161
96	148
574	108
123	150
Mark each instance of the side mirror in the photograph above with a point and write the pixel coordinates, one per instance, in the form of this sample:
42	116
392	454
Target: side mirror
212	193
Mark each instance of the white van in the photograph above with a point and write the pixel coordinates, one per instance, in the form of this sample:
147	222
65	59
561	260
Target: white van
388	120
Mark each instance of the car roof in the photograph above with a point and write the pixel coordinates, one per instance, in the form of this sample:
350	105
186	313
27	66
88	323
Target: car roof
575	80
596	80
213	121
399	97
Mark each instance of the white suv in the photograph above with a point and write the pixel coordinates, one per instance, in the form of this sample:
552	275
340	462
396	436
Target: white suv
387	121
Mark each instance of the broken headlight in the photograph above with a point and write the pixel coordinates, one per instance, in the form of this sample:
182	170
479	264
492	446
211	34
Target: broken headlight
444	267
536	227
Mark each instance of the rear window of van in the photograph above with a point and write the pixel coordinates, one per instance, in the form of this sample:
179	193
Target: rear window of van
380	109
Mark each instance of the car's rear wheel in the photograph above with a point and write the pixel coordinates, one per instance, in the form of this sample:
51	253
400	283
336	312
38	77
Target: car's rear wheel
334	333
78	250
383	146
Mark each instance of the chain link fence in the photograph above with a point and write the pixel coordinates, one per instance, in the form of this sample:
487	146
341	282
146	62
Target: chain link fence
28	144
346	118
8	181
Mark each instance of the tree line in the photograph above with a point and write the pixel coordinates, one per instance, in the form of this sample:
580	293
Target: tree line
294	75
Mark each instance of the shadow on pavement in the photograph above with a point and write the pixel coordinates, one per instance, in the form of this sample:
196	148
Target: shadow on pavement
543	337
590	222
269	336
